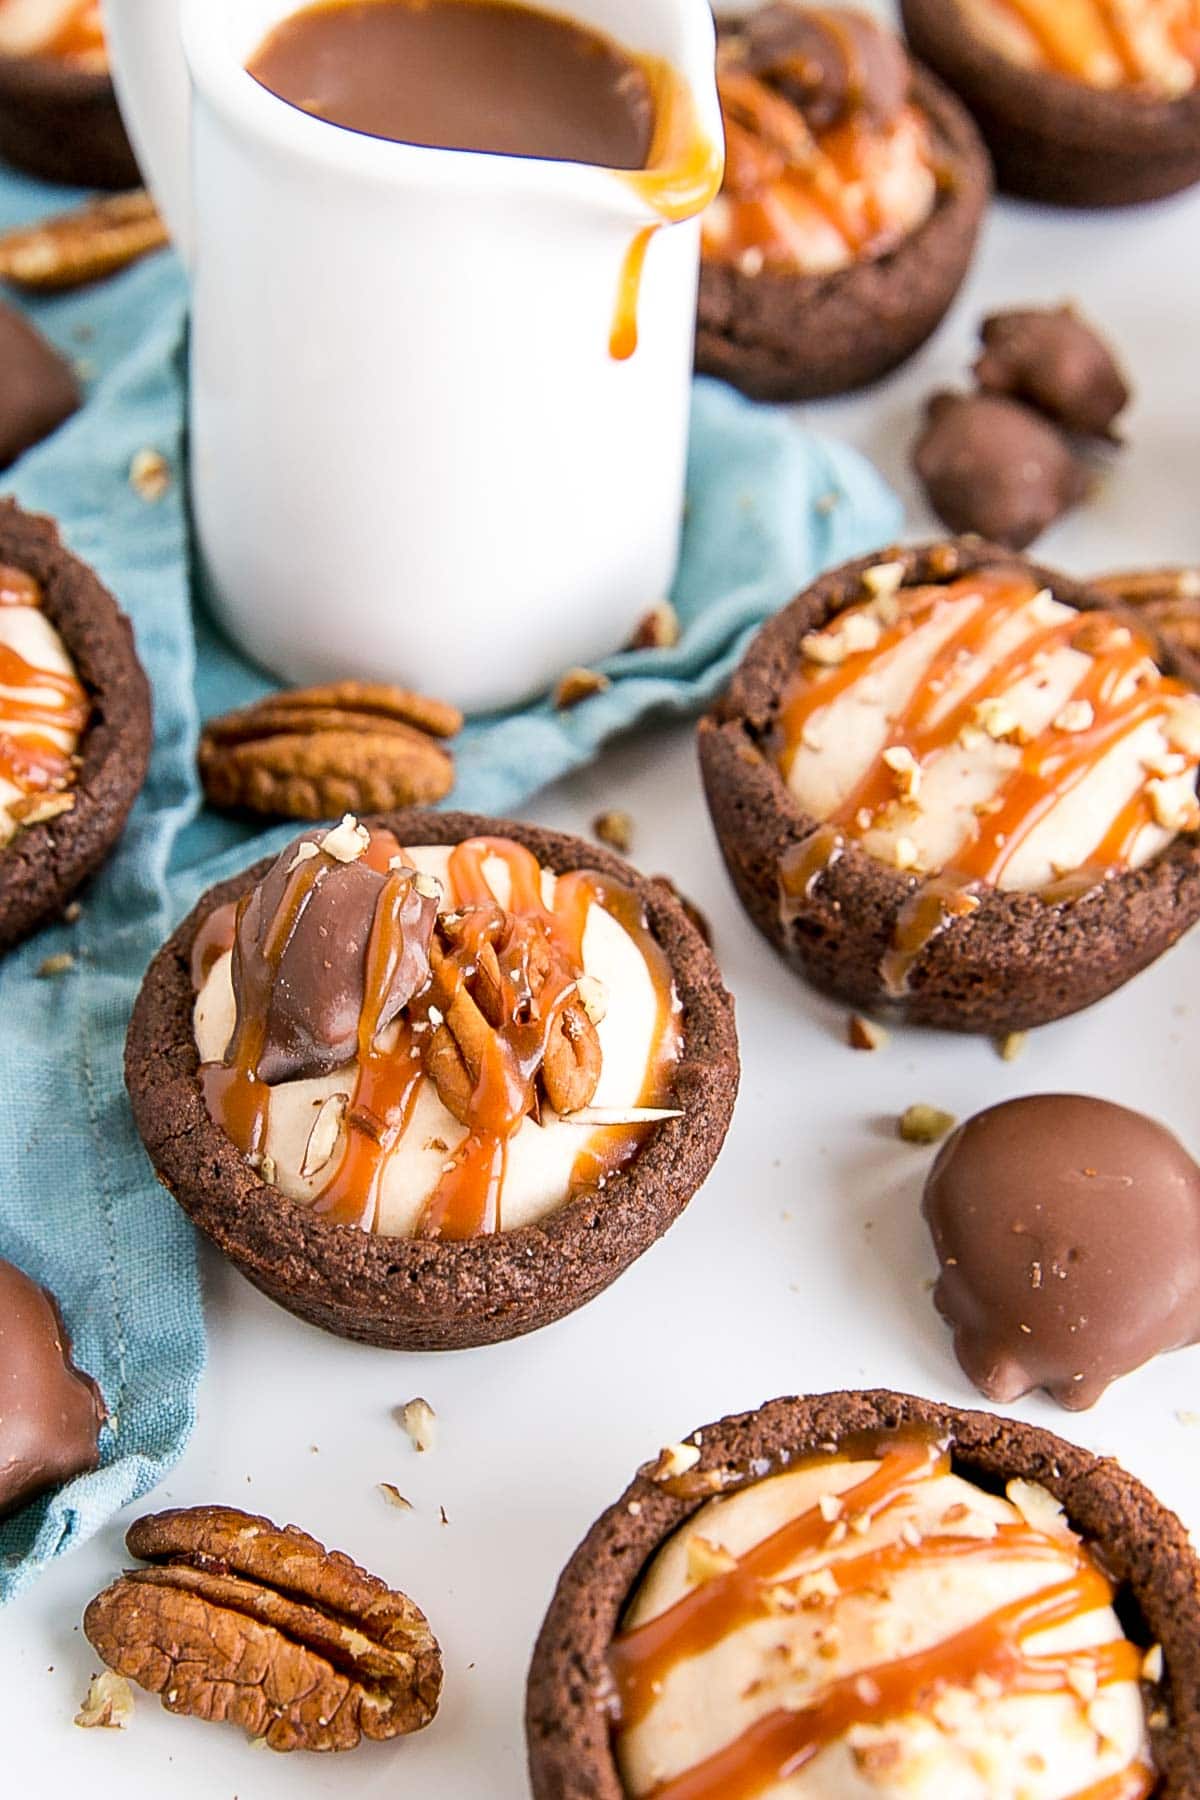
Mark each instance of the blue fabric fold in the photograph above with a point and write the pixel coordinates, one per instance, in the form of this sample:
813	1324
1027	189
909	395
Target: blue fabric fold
769	505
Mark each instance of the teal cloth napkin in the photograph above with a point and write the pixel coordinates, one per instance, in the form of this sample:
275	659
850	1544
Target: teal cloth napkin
768	506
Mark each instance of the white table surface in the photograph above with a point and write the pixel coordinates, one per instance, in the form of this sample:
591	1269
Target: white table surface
803	1264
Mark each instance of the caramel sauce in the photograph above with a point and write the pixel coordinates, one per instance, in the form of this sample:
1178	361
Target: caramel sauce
777	1746
682	174
1047	769
779	171
802	865
466	1201
81	37
30	760
1088	36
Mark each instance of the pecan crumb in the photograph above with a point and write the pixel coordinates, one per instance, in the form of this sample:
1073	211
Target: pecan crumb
658	629
614	829
394	1497
1013	1045
922	1124
109	1703
420	1422
150	475
578	684
865	1034
60	964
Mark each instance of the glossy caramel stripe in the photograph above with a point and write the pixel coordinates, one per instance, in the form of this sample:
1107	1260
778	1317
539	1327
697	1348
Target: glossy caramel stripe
1056	31
682	174
643	1657
16	673
782	1743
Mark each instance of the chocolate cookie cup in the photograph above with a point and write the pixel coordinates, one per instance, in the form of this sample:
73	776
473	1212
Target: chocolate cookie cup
62	123
781	334
436	1293
867	931
573	1702
44	864
1053	138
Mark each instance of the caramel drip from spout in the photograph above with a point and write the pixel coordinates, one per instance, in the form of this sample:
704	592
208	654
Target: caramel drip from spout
1119	691
781	1743
33	703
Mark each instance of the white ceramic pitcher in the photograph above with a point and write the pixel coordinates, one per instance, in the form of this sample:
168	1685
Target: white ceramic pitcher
413	454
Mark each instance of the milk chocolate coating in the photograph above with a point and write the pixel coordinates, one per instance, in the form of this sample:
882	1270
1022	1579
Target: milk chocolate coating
38	389
312	996
1068	1230
993	467
828	61
1057	363
50	1412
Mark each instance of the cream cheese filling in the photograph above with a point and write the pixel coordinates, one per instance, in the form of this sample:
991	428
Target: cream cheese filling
843	740
29	632
974	1742
541	1158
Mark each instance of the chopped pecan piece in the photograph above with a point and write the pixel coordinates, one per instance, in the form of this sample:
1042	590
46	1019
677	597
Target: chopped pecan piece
241	1620
316	752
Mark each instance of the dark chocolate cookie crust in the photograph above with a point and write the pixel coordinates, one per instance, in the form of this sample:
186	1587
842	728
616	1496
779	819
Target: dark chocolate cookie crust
1144	1546
799	337
1013	964
409	1294
1052	138
42	867
63	124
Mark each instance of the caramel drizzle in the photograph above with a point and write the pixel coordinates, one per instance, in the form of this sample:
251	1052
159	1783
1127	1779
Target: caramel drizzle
782	1743
466	1200
1051	766
682	174
779	1745
775	160
31	761
81	36
1079	40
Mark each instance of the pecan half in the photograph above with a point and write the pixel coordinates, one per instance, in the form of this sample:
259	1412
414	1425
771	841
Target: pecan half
241	1620
316	752
84	245
489	991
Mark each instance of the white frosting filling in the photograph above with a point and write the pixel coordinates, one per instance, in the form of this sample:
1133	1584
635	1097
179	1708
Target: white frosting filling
975	1742
1151	30
541	1158
29	632
789	226
843	740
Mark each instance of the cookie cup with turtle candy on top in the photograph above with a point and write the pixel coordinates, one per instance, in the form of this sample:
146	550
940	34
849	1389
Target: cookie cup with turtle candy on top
959	785
866	1594
434	1080
1091	104
75	723
854	189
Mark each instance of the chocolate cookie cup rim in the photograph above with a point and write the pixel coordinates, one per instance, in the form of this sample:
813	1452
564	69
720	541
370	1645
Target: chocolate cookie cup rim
62	123
945	241
53	78
1145	909
1025	112
422	1294
1144	1547
43	865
